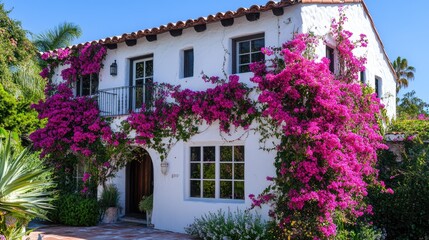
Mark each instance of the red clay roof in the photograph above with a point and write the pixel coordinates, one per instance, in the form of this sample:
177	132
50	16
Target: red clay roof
230	14
194	22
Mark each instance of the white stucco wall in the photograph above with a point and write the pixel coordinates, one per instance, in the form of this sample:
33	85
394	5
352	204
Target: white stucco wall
173	209
317	18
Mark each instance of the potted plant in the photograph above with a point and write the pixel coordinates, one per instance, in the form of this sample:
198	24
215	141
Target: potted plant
109	203
146	205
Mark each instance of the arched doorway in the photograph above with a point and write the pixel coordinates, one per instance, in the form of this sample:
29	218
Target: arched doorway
139	181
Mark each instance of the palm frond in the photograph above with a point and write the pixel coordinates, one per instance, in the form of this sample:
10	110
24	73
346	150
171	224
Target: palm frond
59	37
404	72
24	188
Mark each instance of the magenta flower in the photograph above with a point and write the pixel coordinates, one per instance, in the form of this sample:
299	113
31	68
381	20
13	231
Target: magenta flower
267	51
84	189
86	176
421	117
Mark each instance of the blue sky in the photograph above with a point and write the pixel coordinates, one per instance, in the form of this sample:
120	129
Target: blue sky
403	25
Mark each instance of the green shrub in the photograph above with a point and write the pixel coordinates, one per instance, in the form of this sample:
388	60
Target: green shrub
358	232
232	226
146	204
109	197
76	210
404	214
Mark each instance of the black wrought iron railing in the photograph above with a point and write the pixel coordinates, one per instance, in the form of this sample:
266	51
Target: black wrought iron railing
124	100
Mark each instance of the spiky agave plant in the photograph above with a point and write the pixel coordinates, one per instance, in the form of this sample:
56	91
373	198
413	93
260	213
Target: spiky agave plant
25	190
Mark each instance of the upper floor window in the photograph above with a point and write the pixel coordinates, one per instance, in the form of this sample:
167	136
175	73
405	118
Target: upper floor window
330	54
217	172
87	85
188	63
142	82
247	50
378	87
362	77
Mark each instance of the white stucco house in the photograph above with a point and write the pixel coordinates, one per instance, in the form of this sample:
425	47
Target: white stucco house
178	53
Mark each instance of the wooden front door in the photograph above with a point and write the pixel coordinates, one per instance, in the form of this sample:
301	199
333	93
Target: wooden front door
139	183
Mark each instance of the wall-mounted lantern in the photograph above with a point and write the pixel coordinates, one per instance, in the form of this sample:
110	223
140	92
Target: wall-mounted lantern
164	167
114	69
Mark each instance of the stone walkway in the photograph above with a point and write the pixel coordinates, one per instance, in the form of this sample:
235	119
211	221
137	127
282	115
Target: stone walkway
121	230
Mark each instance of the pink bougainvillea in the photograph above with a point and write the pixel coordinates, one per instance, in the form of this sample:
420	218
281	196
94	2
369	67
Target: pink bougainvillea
84	60
227	103
329	136
73	123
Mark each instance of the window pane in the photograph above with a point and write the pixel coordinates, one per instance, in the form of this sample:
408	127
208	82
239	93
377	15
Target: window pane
209	170
139	83
243	47
257	45
139	70
226	189
244	68
86	85
139	94
226	171
195	170
149	68
208	189
239	190
188	63
78	88
330	56
239	153
243	59
239	171
362	77
257	57
148	88
226	154
209	154
195	188
195	153
94	85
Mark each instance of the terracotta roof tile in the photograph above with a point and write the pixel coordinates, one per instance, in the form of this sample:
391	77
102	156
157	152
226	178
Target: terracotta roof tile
229	14
193	22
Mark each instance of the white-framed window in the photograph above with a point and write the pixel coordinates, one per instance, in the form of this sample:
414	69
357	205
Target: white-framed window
216	172
188	63
87	85
246	50
142	81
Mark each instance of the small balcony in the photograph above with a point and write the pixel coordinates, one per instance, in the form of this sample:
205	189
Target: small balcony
124	100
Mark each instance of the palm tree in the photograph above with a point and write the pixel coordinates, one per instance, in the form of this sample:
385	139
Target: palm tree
58	37
24	189
404	72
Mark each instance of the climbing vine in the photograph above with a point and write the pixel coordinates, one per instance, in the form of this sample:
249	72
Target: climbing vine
228	104
329	136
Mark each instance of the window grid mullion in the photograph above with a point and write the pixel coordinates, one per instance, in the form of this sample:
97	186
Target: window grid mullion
217	172
202	172
233	171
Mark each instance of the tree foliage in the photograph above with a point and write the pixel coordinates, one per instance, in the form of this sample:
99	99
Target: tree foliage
405	214
412	107
20	83
59	37
404	72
